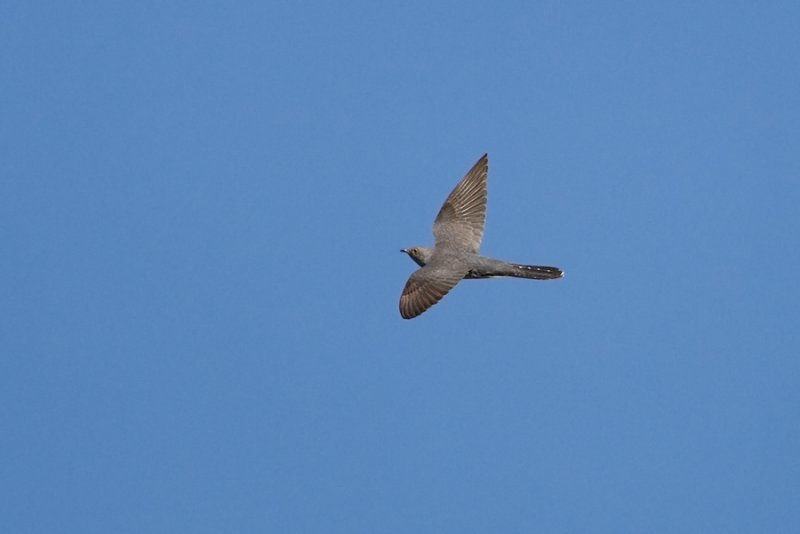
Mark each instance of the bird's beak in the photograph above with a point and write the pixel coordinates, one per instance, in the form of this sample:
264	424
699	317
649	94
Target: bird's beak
403	250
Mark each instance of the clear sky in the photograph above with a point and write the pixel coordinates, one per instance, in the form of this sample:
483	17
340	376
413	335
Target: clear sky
201	212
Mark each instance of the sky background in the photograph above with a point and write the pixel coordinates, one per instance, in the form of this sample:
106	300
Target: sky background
201	208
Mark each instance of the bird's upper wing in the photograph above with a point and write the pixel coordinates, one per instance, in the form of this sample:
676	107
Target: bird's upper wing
459	224
427	286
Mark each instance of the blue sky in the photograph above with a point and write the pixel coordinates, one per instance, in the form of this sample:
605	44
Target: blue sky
202	206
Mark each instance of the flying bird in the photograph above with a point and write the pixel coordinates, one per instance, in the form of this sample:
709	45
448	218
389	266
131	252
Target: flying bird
458	231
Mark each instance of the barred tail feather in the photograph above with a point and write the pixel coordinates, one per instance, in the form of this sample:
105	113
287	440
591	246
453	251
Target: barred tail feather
535	272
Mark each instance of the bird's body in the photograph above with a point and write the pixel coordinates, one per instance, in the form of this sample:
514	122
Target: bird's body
458	230
485	267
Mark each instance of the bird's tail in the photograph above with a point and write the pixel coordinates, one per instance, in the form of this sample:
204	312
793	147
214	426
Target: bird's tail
535	272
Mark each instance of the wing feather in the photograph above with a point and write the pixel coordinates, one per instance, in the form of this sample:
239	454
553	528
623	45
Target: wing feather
459	224
426	287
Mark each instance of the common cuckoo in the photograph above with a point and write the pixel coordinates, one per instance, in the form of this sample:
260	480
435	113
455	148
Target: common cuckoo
458	231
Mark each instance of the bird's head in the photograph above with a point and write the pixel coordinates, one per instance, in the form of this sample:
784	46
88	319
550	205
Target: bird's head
421	255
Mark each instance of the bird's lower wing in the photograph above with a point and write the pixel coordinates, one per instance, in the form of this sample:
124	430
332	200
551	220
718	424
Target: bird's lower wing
426	287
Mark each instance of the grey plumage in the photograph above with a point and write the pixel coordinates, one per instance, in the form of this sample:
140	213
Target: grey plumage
458	231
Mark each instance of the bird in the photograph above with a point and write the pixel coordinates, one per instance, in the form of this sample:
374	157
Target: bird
458	232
